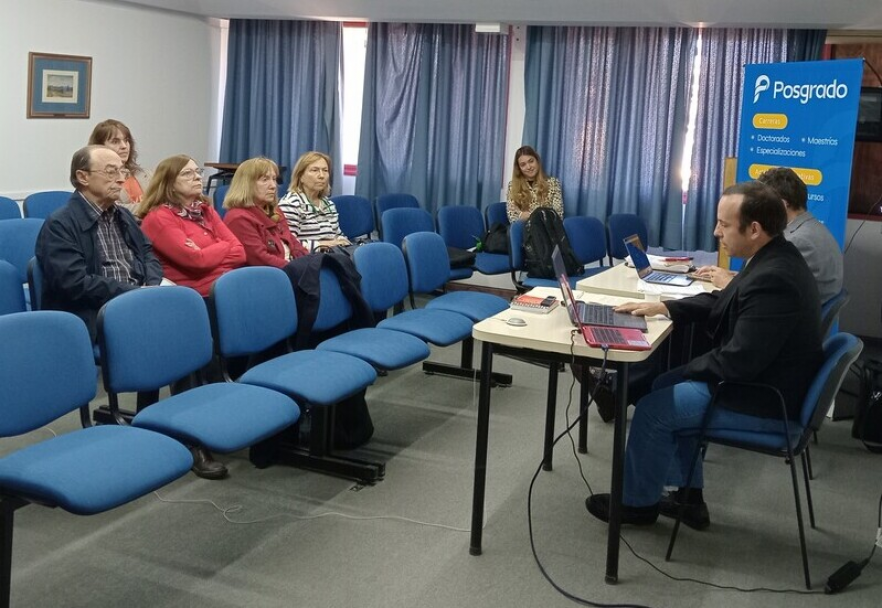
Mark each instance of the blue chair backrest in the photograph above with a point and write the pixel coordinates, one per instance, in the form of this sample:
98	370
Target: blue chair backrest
587	237
428	264
334	308
356	215
497	213
384	281
11	294
830	310
620	226
9	209
35	284
151	337
516	245
46	369
40	205
840	351
253	308
461	226
18	239
395	201
398	223
218	199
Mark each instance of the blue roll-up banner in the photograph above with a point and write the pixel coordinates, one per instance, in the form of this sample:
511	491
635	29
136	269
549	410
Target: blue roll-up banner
803	115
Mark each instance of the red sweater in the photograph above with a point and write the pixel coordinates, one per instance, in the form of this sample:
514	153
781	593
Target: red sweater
262	237
191	254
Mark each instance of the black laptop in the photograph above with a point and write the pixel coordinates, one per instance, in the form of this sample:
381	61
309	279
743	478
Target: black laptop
644	268
597	315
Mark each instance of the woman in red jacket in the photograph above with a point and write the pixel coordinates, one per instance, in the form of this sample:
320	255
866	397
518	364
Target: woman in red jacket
253	215
189	237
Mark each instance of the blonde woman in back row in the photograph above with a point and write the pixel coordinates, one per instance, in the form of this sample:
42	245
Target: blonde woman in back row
530	187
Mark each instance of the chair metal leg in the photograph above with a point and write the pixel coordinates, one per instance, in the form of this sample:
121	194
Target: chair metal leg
807	458
320	456
805	566
682	509
465	368
7	510
806	473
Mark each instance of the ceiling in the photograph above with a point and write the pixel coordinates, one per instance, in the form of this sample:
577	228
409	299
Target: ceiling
821	14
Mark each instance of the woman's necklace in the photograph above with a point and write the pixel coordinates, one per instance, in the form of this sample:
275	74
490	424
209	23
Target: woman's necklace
321	208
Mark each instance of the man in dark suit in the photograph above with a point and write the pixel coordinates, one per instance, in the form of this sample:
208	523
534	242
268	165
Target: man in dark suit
764	327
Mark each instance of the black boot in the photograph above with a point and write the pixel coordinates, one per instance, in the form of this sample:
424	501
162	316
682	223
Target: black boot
205	466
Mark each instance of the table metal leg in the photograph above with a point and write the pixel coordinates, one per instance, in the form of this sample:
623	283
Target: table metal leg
618	468
481	449
551	406
584	393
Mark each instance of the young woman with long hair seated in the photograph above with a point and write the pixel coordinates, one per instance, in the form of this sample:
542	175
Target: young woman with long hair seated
530	187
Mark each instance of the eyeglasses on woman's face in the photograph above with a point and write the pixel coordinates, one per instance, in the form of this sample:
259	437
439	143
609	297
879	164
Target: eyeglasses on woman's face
191	173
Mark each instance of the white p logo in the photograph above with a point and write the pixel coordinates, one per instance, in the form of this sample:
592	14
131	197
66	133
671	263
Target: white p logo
762	84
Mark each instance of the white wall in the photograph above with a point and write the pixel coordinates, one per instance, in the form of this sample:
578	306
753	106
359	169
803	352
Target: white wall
155	71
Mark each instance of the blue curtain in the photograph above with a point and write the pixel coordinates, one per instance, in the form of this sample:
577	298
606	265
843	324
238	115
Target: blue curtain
724	52
282	94
606	108
433	115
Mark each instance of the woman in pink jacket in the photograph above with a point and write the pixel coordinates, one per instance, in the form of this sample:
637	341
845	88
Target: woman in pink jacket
189	237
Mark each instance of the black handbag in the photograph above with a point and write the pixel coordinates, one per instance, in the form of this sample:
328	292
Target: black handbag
460	258
495	239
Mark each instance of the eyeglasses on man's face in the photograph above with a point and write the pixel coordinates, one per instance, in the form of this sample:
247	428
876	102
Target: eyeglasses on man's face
192	173
111	172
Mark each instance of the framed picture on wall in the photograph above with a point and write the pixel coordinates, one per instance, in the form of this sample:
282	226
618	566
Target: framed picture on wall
59	86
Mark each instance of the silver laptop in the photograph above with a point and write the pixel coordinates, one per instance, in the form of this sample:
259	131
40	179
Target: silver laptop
644	268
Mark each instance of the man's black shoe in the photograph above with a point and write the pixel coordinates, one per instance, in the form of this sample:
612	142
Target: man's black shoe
695	515
205	466
598	506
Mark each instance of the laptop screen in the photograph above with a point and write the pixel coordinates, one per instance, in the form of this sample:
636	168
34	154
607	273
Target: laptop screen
560	271
638	256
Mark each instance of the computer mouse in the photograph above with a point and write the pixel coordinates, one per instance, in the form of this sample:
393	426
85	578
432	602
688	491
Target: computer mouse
516	322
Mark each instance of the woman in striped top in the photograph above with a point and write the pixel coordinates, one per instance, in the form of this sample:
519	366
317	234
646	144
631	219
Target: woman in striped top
312	216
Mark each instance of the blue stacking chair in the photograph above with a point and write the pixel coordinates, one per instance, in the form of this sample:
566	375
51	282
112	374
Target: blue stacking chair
40	205
356	216
385	349
220	192
586	236
318	380
619	226
35	284
426	256
497	213
18	239
47	371
151	338
395	200
11	295
463	227
384	284
9	209
792	440
399	222
830	311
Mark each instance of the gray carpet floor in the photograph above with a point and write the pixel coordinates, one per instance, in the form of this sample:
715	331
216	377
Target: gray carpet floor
285	537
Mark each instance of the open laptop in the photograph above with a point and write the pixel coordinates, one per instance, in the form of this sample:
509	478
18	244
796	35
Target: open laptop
598	337
644	268
598	315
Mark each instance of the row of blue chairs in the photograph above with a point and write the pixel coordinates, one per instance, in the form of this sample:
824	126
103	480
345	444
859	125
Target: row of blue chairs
143	349
39	205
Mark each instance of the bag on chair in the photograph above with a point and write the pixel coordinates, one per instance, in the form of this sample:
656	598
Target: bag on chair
867	426
496	239
542	232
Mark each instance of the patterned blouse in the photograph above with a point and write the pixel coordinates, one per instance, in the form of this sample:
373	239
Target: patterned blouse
308	223
553	199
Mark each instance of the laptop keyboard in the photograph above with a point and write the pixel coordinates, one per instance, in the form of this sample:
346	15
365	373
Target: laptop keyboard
658	277
603	315
606	335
